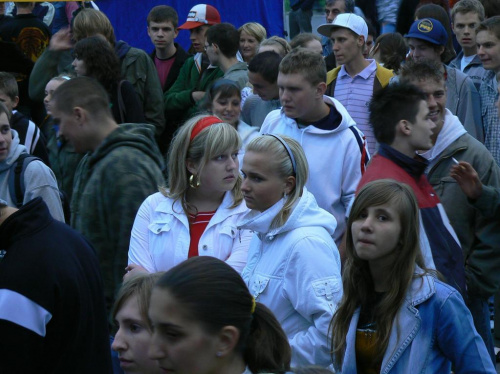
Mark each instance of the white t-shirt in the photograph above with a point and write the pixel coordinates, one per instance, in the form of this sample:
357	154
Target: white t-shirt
466	60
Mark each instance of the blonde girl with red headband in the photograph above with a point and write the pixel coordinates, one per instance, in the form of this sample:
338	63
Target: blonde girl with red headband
199	212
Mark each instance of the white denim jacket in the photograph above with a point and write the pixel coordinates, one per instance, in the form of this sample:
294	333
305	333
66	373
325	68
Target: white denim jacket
160	235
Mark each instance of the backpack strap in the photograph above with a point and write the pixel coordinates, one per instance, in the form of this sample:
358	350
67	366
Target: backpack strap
121	103
17	186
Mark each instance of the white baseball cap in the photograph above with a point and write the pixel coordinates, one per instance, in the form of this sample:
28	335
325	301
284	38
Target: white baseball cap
349	21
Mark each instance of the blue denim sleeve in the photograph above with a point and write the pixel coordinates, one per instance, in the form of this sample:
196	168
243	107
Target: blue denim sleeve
458	339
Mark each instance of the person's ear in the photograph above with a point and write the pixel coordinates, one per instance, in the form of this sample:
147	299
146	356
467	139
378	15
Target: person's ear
321	89
80	115
290	183
404	126
15	102
441	49
227	339
191	166
361	41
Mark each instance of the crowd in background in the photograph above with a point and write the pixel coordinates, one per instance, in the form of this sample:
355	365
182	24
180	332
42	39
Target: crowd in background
327	202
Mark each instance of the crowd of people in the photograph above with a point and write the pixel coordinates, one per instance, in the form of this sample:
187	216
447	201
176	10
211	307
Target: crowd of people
252	204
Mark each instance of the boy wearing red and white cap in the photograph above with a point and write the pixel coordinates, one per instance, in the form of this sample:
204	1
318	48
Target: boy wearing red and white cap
196	73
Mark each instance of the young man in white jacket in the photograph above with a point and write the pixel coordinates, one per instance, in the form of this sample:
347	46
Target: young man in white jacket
334	147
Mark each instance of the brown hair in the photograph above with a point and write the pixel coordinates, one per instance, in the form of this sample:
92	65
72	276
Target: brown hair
8	85
356	278
215	295
90	22
163	13
307	63
492	25
139	286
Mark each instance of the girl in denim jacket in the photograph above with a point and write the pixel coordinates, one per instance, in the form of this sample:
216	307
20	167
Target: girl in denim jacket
396	316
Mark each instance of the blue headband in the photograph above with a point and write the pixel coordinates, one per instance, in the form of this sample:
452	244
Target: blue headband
289	151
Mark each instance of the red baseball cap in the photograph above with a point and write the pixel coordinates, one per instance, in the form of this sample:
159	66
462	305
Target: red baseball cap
199	15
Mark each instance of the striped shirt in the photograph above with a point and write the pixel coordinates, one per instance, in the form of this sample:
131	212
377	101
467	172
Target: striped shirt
197	225
491	122
355	94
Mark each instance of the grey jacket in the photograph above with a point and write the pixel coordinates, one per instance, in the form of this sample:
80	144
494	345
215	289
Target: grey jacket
474	70
463	101
238	73
478	235
39	180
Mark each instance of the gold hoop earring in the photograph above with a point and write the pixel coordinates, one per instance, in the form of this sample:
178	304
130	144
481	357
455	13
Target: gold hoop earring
193	181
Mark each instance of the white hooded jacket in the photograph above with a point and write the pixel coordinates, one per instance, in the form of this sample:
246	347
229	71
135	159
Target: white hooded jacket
335	159
295	271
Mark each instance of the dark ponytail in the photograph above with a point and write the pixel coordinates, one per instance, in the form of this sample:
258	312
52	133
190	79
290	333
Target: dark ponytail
267	348
215	295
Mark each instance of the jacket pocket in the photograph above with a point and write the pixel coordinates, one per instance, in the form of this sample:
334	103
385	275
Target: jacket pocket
157	227
328	289
258	284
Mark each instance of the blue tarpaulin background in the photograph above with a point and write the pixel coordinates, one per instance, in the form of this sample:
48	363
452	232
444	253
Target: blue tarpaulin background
129	17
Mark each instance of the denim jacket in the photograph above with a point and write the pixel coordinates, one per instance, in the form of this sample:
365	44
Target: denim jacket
432	330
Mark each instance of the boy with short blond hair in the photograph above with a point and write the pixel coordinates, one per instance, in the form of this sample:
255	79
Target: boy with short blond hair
333	145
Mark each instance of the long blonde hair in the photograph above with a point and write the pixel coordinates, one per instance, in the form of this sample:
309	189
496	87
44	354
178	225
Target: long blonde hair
356	278
284	168
209	143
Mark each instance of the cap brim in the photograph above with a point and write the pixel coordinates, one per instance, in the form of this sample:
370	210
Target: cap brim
326	29
190	25
423	37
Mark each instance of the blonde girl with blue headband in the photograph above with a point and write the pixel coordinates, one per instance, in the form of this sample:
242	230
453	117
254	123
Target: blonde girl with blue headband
293	263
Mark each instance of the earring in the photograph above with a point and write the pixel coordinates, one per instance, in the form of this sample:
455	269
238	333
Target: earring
218	354
284	195
193	181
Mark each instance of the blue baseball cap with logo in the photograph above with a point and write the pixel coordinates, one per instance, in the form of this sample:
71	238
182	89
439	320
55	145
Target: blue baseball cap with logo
428	29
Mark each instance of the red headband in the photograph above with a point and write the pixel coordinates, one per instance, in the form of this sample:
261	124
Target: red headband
203	124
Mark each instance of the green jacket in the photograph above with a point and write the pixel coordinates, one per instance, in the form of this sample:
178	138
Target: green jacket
179	104
110	185
136	67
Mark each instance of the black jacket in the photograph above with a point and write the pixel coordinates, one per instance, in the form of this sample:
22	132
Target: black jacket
180	57
50	273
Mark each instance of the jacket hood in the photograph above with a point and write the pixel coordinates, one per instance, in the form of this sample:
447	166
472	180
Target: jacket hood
452	130
305	213
238	66
122	48
346	122
135	135
15	150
